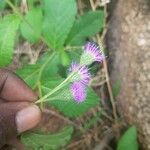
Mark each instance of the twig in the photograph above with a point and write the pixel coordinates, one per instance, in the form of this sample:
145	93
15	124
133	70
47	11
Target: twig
107	116
92	5
97	83
108	83
106	72
80	6
75	143
24	6
105	141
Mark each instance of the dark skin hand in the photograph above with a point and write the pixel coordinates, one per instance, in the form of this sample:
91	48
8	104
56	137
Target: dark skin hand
17	111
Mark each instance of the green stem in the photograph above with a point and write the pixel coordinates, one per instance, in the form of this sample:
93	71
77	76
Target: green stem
62	84
73	47
14	8
42	68
50	99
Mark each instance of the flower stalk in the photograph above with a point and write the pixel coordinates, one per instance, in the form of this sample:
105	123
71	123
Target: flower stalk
79	76
61	85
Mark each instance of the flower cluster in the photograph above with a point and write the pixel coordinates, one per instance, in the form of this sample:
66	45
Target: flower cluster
81	75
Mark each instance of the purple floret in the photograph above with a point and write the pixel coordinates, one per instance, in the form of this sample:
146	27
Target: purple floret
81	73
93	50
78	92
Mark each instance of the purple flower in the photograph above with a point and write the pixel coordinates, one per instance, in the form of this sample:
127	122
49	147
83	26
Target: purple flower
81	73
78	92
91	53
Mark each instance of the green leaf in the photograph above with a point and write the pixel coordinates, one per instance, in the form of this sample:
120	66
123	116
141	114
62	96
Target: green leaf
2	4
129	140
32	26
65	60
8	27
72	109
75	54
69	107
30	74
49	141
86	25
44	69
51	66
58	20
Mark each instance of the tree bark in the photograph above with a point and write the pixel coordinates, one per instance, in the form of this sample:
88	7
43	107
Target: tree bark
128	42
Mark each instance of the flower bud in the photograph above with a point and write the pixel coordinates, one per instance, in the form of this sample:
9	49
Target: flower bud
78	92
80	73
91	54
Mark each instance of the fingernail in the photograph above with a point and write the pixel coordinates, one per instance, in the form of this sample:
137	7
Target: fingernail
28	118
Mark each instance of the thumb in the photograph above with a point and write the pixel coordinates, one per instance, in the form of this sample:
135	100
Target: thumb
15	118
